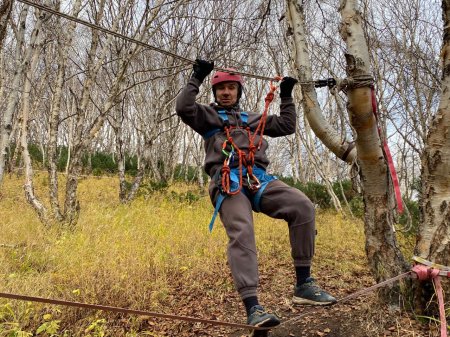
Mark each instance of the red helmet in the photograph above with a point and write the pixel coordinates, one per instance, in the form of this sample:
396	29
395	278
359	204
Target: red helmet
224	76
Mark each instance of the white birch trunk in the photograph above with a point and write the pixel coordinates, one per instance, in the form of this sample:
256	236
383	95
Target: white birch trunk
5	13
300	164
65	41
81	142
433	242
34	48
140	174
13	99
385	258
322	129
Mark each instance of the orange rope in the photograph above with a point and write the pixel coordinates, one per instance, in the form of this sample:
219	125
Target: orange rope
249	159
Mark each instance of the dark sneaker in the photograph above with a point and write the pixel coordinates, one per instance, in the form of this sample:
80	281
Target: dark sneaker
310	293
260	318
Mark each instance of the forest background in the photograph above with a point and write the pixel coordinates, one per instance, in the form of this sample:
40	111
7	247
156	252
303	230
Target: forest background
77	102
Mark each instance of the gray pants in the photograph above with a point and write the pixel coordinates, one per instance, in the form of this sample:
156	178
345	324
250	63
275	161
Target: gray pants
278	201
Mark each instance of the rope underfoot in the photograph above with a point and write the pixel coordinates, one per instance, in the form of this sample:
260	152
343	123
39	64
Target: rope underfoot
126	311
423	272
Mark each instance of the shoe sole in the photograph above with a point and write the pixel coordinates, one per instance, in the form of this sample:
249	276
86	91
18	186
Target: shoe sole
259	333
268	323
303	301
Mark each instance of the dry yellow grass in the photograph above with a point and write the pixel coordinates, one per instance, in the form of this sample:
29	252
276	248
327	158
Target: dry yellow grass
136	255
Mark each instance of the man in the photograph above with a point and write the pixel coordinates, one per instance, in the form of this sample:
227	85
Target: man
236	161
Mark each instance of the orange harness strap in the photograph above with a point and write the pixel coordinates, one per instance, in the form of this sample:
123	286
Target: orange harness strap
249	159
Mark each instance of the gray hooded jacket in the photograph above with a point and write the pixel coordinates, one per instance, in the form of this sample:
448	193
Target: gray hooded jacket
204	118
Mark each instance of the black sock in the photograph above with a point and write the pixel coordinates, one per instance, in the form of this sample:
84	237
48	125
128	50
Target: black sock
302	274
250	302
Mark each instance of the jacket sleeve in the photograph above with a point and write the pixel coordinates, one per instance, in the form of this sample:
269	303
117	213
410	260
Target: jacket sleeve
285	123
190	112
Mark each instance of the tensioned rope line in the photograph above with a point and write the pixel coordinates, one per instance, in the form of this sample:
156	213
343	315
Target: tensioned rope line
374	287
126	311
146	45
185	318
352	296
420	274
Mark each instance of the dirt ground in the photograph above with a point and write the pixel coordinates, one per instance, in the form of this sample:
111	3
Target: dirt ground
364	317
358	317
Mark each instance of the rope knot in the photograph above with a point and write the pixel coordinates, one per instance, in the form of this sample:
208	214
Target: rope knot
425	273
269	97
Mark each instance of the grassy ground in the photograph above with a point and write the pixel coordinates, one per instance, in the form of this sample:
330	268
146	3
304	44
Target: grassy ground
155	254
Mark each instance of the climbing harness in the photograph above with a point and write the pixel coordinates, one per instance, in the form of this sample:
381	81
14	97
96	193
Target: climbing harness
231	182
255	197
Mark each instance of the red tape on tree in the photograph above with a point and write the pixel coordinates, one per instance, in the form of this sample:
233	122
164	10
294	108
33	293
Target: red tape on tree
388	157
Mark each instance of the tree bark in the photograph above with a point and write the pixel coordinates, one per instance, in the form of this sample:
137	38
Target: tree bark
13	99
35	46
385	258
433	241
5	13
64	40
322	129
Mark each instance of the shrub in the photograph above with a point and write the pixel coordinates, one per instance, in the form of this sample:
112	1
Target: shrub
414	210
152	187
357	206
347	187
97	172
102	161
35	153
316	192
187	197
192	173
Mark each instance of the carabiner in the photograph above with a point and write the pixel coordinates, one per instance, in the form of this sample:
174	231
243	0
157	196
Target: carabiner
253	183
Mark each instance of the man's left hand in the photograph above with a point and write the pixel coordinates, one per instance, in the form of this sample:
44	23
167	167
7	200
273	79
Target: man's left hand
286	86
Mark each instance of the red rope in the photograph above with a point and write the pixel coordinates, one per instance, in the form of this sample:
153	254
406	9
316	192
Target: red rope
426	273
126	311
249	159
226	181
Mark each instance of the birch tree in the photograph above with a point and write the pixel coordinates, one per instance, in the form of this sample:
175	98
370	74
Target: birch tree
327	134
84	136
382	250
21	60
433	241
64	41
5	13
407	75
36	43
